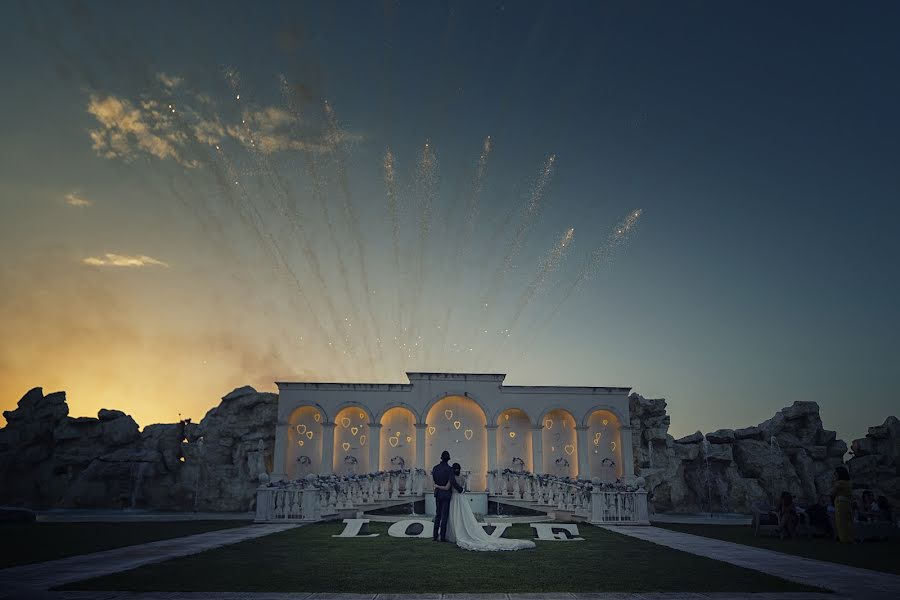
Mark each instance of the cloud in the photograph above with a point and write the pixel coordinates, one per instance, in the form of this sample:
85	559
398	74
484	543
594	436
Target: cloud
73	199
123	260
126	129
170	81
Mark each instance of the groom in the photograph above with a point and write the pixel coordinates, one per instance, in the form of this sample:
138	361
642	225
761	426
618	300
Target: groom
442	474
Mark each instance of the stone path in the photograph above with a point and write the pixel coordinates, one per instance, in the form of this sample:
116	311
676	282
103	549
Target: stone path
27	581
850	582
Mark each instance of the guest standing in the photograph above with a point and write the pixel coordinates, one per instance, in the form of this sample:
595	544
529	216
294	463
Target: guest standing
840	494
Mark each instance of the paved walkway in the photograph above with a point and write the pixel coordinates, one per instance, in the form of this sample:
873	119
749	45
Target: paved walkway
27	581
851	582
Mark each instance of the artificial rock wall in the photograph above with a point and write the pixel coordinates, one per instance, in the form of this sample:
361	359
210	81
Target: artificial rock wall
48	459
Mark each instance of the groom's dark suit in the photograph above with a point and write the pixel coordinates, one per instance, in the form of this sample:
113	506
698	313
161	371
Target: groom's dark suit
441	474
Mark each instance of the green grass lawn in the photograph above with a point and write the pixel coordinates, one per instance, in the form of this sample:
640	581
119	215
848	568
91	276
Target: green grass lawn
877	555
24	543
308	559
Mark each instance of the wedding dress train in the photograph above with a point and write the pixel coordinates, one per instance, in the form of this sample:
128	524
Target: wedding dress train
469	534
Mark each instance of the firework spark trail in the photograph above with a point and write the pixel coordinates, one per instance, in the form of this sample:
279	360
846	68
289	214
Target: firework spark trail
340	161
531	210
468	227
426	186
548	265
291	212
601	255
390	185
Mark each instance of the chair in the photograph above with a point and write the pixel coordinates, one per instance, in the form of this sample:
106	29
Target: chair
764	518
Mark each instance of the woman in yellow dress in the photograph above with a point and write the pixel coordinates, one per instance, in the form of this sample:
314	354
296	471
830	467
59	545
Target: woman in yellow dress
841	496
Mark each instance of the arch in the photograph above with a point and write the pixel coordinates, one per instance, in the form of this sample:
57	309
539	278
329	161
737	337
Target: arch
604	444
615	411
457	423
304	441
495	420
379	417
444	395
314	405
543	417
351	404
514	440
351	439
559	441
398	437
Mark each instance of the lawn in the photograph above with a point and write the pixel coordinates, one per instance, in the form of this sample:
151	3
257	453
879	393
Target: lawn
24	543
308	559
876	555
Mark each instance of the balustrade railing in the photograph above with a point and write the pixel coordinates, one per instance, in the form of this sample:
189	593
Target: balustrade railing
320	497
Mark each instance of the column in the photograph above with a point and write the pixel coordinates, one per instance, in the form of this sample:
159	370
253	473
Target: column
279	453
421	431
537	449
374	442
627	453
584	469
327	448
491	432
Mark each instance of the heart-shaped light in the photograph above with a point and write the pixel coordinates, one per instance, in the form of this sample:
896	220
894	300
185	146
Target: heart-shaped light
512	434
548	423
448	413
354	430
301	428
393	441
345	422
362	416
317	417
309	434
507	417
431	431
596	441
299	442
606	421
362	440
612	446
468	433
409	439
457	424
569	449
345	446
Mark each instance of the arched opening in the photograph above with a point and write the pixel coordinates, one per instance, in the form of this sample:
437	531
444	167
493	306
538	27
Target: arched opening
398	439
605	445
456	424
514	441
560	444
304	454
351	441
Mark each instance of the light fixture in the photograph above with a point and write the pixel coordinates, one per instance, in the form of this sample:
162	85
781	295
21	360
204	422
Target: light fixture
468	433
548	423
309	434
512	434
362	440
431	430
299	442
457	424
301	428
345	422
345	446
354	430
569	449
448	413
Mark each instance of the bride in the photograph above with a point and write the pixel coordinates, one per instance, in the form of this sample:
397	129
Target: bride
468	533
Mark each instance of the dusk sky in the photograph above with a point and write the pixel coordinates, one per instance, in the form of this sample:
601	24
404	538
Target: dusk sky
695	199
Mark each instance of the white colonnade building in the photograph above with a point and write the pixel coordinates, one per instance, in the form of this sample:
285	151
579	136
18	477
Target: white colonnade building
353	428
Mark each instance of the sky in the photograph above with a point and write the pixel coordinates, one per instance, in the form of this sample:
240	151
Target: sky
697	200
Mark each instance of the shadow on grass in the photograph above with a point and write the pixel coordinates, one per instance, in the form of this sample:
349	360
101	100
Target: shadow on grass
25	543
309	559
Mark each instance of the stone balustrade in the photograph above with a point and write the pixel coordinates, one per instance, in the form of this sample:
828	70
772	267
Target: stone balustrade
322	497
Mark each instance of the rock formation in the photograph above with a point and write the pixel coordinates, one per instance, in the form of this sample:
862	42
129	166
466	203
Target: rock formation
730	469
48	459
876	460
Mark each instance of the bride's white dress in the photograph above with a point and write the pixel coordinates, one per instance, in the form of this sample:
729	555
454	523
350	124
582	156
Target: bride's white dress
468	533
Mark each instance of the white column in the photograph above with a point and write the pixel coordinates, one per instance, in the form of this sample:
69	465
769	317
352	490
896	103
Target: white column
627	453
421	432
374	442
537	449
491	432
279	453
327	448
584	471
